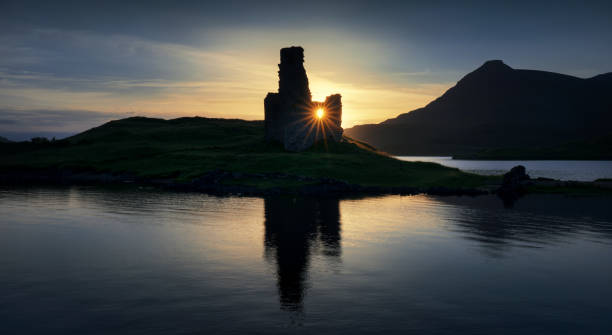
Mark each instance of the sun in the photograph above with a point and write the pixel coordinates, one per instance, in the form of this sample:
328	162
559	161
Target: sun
320	113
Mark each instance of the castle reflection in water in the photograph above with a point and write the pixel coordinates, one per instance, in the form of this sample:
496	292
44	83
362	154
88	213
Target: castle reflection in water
294	228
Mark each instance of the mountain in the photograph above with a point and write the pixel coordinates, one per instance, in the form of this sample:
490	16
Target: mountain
498	107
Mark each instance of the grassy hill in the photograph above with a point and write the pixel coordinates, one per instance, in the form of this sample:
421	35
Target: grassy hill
187	148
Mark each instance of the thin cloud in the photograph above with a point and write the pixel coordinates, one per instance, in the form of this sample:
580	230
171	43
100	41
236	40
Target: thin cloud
15	120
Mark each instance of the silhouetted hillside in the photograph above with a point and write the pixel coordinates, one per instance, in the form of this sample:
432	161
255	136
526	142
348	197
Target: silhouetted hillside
222	152
497	107
4	140
593	149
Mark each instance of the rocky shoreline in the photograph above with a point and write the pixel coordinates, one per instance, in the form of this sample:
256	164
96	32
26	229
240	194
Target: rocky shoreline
215	182
515	184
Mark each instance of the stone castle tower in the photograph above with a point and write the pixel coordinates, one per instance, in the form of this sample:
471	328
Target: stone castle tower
291	115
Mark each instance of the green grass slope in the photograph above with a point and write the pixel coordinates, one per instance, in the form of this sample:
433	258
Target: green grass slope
186	148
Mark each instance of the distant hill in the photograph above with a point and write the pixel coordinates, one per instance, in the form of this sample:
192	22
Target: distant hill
4	140
593	149
497	108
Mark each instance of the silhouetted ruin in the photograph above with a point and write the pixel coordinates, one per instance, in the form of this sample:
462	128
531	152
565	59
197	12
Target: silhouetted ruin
291	115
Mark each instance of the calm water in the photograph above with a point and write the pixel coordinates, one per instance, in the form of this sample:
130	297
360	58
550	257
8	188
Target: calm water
563	170
90	261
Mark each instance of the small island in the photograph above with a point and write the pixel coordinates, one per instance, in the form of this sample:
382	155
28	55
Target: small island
299	149
221	156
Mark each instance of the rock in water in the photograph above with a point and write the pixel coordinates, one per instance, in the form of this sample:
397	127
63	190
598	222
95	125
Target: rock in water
513	184
515	176
291	116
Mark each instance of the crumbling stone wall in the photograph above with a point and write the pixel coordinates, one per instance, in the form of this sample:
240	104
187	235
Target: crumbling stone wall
290	114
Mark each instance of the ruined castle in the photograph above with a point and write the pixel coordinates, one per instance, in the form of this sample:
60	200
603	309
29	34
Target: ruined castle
292	118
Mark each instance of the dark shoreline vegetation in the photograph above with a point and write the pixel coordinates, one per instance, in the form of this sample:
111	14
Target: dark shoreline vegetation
597	149
230	156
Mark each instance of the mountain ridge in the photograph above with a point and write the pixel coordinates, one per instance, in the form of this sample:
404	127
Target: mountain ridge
496	106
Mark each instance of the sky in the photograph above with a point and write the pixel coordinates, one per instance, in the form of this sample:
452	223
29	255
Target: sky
67	66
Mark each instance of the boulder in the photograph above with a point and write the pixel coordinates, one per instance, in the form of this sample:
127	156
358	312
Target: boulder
513	185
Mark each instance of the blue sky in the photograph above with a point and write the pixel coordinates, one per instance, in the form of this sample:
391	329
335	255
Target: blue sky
69	66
